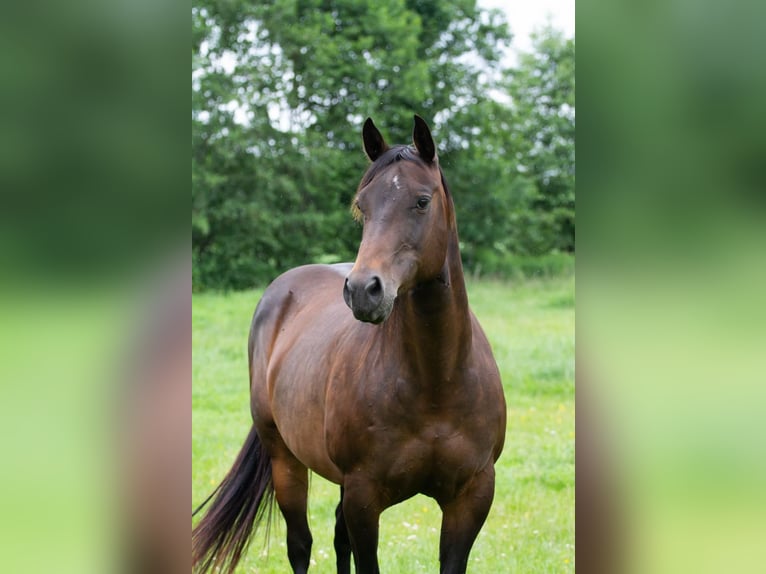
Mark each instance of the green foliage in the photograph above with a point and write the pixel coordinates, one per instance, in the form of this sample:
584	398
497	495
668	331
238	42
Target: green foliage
530	324
543	92
280	90
515	266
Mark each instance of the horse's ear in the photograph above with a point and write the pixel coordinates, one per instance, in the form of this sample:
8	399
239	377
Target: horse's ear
421	137
374	144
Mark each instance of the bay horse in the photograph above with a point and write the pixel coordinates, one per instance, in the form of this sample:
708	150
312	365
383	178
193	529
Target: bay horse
376	376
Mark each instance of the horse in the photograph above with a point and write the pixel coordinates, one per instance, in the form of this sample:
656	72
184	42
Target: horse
376	376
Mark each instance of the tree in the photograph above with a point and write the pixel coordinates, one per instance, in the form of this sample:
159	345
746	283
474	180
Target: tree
276	151
542	90
279	93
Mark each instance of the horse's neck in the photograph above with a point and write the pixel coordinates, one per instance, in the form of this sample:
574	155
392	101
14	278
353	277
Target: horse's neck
435	322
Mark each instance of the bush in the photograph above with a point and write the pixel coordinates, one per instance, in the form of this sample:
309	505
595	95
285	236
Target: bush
512	266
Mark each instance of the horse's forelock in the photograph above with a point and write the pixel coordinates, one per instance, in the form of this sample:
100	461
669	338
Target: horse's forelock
389	157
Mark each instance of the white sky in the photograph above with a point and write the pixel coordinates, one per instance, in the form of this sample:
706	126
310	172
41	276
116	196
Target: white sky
524	16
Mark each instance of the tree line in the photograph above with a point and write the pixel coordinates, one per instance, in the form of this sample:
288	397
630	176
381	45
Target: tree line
281	88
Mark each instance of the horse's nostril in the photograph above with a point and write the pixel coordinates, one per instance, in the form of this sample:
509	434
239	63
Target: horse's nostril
374	288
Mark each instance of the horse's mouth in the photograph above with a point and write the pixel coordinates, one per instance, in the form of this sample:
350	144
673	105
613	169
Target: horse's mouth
375	319
375	316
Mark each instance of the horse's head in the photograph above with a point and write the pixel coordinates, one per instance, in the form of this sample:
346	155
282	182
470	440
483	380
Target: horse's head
405	211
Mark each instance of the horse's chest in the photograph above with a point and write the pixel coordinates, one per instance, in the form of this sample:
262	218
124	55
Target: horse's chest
436	461
413	441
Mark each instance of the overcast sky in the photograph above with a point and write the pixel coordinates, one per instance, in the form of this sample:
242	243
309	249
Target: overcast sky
526	15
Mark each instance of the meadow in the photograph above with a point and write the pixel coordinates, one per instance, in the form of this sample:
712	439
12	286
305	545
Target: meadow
530	529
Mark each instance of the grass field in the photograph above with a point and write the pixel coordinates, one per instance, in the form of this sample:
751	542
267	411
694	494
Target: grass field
531	526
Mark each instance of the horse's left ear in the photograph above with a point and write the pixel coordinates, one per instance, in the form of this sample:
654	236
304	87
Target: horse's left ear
421	137
374	144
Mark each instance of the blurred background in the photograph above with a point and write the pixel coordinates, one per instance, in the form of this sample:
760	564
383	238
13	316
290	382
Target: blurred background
671	277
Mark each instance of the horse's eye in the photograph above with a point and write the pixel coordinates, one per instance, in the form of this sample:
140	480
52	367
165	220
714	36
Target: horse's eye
423	202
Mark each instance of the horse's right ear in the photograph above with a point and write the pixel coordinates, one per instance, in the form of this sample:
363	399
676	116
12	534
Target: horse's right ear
374	144
424	142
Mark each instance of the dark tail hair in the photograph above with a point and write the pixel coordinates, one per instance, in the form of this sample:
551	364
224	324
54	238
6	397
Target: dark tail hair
241	502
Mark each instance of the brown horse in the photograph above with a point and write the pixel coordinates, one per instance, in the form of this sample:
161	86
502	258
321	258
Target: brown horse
398	396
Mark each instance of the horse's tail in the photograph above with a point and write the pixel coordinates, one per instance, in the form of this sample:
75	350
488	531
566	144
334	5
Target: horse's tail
242	501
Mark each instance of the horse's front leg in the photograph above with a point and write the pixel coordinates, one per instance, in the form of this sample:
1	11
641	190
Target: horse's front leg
342	543
362	506
462	519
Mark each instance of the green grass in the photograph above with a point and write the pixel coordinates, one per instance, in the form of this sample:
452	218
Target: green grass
530	324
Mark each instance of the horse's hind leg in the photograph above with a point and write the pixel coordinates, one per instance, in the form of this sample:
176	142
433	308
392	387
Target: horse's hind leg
342	542
291	488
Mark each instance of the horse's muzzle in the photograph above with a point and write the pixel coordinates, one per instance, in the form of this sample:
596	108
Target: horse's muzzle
366	297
